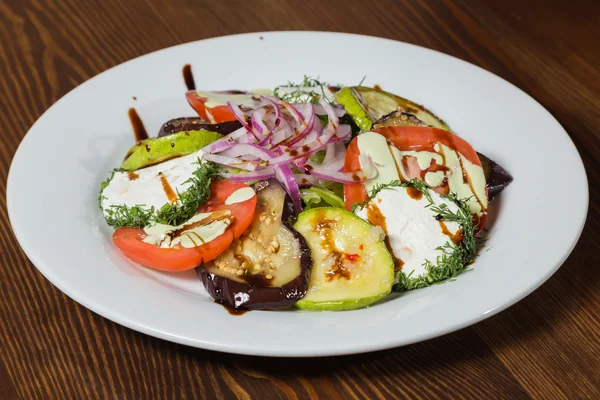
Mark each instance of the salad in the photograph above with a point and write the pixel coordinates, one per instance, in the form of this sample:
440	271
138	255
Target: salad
310	195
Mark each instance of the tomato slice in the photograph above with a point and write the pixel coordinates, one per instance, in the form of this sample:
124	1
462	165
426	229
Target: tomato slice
408	138
130	240
424	138
353	192
220	113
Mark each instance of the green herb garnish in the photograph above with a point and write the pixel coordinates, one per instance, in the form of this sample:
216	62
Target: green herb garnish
302	95
197	194
454	257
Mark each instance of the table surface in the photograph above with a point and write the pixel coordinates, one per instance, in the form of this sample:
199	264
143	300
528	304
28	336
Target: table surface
547	346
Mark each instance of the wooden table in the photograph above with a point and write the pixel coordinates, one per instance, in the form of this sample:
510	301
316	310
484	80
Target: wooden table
547	346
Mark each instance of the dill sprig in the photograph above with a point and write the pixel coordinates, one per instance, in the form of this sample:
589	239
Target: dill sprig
454	257
137	216
191	199
104	184
132	217
302	95
417	184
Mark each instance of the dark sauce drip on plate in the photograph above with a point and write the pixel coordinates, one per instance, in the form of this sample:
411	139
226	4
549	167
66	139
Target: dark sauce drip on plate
139	131
188	77
232	310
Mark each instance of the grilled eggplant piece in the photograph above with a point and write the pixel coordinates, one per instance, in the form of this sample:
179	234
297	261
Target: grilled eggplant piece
398	118
195	124
496	177
269	266
366	105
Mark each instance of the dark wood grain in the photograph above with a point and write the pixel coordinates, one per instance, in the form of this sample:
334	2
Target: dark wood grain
546	347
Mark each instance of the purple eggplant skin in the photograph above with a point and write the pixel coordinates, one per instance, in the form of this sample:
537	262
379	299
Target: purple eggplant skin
254	294
196	123
497	178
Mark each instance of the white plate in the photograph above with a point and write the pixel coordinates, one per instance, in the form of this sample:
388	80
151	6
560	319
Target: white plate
55	175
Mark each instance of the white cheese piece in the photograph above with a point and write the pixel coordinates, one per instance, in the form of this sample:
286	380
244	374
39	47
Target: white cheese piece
153	186
375	146
414	233
239	196
201	228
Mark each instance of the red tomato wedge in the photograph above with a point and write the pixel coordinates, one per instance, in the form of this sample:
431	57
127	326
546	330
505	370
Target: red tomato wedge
220	113
408	138
130	240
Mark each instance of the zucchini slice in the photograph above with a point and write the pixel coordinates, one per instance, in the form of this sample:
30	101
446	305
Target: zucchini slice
352	267
156	150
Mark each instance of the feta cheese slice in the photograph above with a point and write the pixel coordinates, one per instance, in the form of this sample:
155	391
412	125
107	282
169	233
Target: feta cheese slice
413	232
152	186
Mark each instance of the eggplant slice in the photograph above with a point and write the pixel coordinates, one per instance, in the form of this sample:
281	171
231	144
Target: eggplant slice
195	124
269	266
497	178
398	118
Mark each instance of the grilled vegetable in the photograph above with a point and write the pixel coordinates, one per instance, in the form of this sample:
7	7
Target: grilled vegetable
398	118
269	266
496	177
156	150
367	105
352	267
194	124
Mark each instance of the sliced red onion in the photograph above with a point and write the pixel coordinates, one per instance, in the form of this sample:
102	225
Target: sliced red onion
241	117
303	108
334	121
344	132
278	118
280	137
265	173
284	175
307	128
283	133
231	161
339	110
251	150
333	152
225	142
257	120
312	136
291	110
306	180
